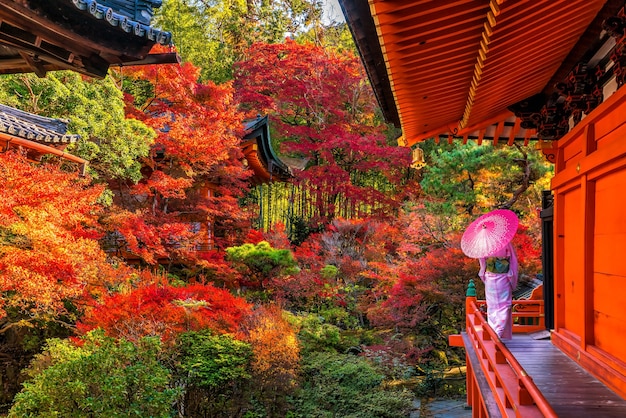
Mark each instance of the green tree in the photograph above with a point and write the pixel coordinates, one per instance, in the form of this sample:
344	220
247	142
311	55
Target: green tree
317	336
333	36
212	35
213	371
260	263
472	178
101	377
111	143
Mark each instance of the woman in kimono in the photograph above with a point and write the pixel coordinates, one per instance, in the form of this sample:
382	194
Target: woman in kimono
499	273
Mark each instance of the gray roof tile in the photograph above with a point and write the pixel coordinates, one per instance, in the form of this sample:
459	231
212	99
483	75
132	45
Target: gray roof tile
34	127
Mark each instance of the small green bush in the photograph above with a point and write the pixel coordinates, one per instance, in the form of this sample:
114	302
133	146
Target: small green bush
338	385
215	372
315	335
102	377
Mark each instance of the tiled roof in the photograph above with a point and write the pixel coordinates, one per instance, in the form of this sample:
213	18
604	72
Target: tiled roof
36	128
136	24
526	286
87	36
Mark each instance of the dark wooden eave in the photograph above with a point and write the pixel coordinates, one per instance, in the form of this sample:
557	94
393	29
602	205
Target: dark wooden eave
257	148
363	29
86	36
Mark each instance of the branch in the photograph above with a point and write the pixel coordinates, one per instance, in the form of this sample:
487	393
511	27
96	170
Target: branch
21	323
6	325
525	180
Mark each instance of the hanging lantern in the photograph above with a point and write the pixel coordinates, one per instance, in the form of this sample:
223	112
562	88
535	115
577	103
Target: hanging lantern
417	161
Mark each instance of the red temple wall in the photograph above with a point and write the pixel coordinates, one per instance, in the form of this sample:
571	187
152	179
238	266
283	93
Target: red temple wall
590	243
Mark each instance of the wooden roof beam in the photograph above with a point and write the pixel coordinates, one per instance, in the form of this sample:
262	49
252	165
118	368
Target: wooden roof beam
45	149
419	18
93	66
36	66
514	130
481	135
488	122
489	24
498	132
403	43
436	8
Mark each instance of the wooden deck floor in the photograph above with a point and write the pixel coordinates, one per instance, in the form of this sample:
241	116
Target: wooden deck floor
570	390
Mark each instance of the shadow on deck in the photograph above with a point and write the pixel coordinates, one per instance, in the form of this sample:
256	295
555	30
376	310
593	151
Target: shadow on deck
527	377
568	388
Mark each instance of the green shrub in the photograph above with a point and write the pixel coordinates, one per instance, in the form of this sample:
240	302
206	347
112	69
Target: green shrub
212	361
102	377
214	370
261	262
340	317
315	335
338	385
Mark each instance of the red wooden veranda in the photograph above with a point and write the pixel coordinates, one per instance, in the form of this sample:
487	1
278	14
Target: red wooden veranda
526	376
504	71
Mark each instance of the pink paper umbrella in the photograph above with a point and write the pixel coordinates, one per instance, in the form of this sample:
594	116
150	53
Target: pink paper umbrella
489	233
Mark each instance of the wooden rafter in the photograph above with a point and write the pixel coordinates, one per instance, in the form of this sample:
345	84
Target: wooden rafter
80	35
452	65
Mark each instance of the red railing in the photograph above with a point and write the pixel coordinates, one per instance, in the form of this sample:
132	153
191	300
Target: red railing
528	315
514	392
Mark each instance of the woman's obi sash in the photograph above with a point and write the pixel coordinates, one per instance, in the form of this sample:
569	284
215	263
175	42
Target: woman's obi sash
497	264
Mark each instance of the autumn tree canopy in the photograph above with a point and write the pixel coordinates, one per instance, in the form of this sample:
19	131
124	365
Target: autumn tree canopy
194	174
214	35
50	257
151	260
323	112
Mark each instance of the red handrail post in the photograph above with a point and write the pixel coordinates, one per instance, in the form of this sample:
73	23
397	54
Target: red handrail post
524	397
470	301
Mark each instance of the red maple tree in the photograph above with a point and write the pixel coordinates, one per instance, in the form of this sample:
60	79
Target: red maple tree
166	311
194	176
323	111
50	256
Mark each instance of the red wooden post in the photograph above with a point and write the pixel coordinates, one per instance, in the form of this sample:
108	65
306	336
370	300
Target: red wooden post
473	398
470	298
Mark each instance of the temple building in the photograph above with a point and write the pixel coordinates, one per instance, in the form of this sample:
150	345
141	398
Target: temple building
260	155
36	135
547	74
86	36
